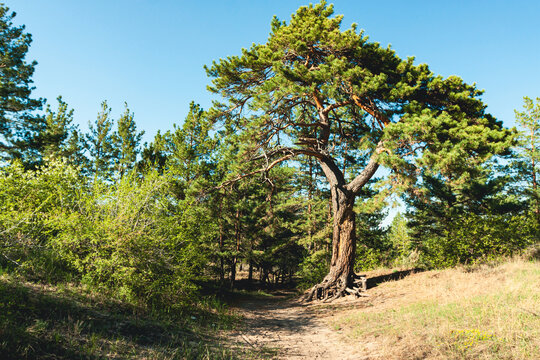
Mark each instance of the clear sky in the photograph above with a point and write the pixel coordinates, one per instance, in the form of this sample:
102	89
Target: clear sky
150	53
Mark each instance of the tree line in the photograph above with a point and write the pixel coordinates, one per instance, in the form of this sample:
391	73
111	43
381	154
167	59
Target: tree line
287	177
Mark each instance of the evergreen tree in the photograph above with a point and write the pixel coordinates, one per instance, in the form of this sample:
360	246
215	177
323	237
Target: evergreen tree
399	237
74	149
528	162
466	222
127	142
311	190
374	249
61	139
57	131
277	219
190	147
100	143
153	155
314	90
19	126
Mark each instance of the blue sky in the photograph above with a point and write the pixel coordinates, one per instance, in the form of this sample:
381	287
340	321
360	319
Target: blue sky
151	53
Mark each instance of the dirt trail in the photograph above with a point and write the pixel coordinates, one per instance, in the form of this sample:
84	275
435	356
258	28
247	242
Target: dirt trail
280	327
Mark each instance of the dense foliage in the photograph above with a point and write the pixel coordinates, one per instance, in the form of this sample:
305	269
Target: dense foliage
19	125
190	212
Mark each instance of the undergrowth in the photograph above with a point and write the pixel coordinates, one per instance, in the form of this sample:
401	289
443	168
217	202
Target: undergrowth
72	322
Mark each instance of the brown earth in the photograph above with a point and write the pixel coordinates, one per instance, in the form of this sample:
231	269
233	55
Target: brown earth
487	312
280	326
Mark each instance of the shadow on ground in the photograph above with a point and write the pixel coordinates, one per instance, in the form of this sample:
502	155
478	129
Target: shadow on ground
397	275
38	322
268	318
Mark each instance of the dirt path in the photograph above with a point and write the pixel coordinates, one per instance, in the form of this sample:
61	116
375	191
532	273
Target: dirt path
280	327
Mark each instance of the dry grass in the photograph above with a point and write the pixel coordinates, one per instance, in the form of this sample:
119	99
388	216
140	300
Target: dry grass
491	312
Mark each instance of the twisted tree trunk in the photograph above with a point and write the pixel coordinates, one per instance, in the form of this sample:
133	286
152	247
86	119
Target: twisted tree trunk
341	279
341	276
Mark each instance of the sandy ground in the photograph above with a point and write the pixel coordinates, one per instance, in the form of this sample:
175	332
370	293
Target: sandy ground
280	327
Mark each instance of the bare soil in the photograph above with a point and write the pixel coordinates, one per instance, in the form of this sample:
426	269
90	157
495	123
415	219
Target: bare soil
483	312
281	327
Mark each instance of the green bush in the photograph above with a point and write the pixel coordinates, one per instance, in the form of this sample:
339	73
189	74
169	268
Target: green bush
313	269
476	238
133	237
368	258
31	203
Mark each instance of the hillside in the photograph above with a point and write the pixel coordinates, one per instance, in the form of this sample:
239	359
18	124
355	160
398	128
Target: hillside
66	321
488	312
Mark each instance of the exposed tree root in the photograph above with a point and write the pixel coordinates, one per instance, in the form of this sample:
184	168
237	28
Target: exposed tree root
332	288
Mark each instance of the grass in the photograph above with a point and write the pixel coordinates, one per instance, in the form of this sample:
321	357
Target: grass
70	322
487	312
490	312
255	294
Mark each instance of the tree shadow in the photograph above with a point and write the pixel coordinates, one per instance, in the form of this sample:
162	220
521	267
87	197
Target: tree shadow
397	275
269	319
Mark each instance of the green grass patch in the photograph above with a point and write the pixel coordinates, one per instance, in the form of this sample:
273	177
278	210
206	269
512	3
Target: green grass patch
66	322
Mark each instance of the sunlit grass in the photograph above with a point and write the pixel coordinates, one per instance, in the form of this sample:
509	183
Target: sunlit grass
488	313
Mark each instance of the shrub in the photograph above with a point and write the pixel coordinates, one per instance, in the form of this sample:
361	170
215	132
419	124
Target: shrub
474	238
133	237
31	201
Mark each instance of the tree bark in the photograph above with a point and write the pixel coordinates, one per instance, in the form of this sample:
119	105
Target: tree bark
341	273
221	262
235	258
340	279
534	183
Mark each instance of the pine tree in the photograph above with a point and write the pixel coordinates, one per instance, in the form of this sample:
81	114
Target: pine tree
58	130
189	151
74	150
61	138
127	142
315	90
462	223
528	162
19	126
399	237
153	155
100	143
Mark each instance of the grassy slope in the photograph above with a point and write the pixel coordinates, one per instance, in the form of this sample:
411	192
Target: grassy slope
489	313
63	322
492	312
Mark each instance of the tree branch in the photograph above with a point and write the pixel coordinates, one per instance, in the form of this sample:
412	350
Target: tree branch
368	172
293	152
372	110
331	107
267	168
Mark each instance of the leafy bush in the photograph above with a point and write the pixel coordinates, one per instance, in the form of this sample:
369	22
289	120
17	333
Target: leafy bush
368	258
313	269
474	238
132	238
31	202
